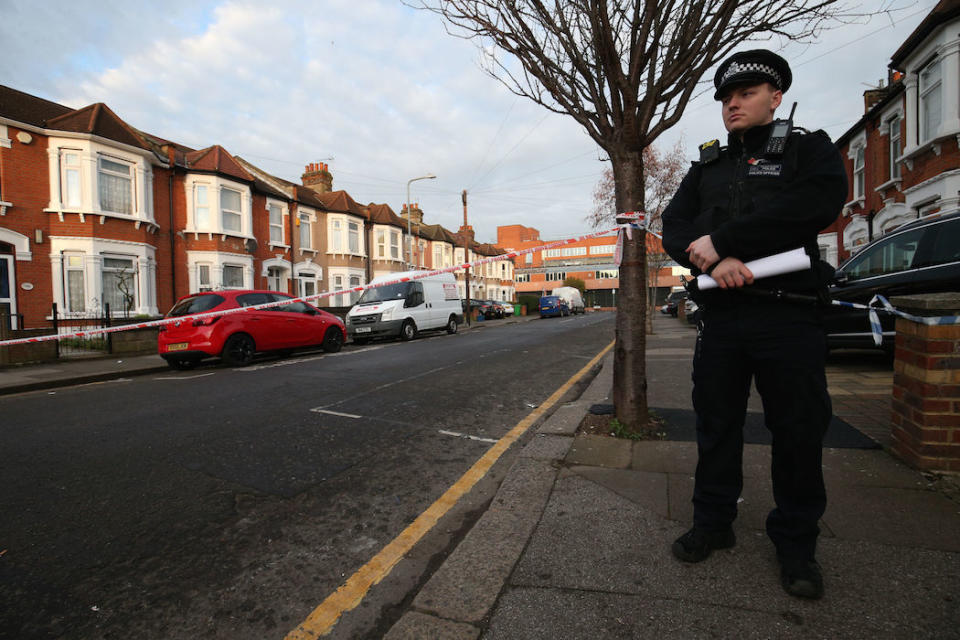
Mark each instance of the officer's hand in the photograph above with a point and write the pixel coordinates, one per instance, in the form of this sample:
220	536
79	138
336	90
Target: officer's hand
702	253
731	273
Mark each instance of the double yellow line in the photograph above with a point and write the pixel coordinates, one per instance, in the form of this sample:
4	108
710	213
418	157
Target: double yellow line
352	592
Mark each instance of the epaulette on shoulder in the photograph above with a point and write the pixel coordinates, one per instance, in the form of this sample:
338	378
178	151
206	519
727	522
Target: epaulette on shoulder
709	151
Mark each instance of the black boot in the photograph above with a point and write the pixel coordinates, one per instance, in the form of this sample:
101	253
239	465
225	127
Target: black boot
695	545
801	578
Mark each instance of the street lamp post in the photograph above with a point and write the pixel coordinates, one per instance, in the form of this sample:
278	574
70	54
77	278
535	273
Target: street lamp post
429	176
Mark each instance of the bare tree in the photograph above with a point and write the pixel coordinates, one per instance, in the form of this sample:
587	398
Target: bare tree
662	174
625	71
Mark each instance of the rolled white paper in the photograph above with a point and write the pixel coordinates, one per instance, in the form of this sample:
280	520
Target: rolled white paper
775	265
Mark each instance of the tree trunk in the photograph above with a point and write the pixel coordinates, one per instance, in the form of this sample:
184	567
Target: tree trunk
629	360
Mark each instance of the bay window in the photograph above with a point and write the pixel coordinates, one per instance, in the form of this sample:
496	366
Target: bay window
201	207
336	238
395	245
232	276
70	178
73	276
353	233
116	185
119	283
381	243
231	217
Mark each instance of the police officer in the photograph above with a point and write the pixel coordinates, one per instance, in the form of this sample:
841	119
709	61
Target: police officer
772	188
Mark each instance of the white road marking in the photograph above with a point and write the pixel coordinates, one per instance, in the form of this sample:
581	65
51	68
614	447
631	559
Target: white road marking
468	437
335	413
199	375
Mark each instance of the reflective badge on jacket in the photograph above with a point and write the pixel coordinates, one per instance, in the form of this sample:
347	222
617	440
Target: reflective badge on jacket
762	167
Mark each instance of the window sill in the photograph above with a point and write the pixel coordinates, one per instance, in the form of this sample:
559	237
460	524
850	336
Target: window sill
310	251
223	234
889	184
4	206
103	215
934	144
858	202
348	254
275	245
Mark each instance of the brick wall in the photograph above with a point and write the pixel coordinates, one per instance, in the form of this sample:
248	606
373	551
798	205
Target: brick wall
926	394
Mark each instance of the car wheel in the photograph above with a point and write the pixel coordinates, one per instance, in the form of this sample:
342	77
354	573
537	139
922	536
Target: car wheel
452	325
238	350
408	331
332	340
182	365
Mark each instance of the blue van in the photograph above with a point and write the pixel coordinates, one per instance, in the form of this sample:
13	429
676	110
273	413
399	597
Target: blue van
553	306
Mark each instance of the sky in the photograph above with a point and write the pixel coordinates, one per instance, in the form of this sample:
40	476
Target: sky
382	94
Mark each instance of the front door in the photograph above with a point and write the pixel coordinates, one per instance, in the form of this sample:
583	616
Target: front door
8	290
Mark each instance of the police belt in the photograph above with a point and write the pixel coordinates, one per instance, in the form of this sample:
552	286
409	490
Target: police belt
821	299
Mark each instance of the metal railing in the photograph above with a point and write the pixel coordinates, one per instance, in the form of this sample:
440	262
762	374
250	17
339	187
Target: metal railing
81	346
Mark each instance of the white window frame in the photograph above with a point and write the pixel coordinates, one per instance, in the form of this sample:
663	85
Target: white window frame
226	211
340	278
281	207
223	276
85	174
381	236
104	173
93	252
215	185
859	174
216	260
306	231
894	145
338	235
395	246
928	94
310	275
104	270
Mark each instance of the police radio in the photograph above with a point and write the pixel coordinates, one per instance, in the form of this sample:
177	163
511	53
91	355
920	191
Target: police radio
778	135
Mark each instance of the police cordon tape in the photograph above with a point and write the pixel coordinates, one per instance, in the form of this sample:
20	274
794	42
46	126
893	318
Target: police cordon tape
317	296
785	262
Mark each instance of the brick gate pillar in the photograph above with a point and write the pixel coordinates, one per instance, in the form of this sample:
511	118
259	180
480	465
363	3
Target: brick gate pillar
926	385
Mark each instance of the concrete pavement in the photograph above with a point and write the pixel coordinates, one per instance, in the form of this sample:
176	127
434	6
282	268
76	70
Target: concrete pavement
576	543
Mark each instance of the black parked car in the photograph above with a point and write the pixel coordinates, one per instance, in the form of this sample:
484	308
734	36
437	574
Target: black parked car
671	307
919	257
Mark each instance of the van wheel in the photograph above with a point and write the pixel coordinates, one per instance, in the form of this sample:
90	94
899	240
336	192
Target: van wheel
408	331
332	340
452	325
239	350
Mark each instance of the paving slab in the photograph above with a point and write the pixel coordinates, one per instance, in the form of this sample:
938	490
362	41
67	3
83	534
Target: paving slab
894	516
621	550
565	420
547	447
599	451
644	488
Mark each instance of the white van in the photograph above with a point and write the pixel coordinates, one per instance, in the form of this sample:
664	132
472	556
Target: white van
405	307
571	295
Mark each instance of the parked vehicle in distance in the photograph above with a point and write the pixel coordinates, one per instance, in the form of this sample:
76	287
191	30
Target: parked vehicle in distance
507	307
671	306
236	337
919	257
496	308
403	309
553	306
570	295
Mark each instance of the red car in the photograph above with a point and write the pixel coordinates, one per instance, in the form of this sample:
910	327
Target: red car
236	337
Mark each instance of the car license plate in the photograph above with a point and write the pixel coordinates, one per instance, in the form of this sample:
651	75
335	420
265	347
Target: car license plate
362	330
178	346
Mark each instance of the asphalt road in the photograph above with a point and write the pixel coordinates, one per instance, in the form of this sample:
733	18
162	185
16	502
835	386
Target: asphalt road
228	503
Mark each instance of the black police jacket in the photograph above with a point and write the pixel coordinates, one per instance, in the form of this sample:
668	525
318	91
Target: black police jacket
754	205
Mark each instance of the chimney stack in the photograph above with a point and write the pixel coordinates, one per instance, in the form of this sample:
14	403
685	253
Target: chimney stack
317	177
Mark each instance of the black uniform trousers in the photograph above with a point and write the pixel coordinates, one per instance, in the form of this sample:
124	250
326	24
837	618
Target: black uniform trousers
782	347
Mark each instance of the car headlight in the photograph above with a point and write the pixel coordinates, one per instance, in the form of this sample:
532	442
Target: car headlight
387	313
